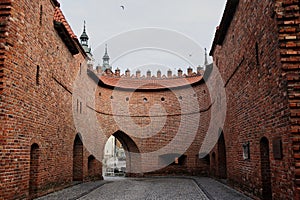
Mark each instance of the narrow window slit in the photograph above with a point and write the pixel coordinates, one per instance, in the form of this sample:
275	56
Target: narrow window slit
41	15
257	53
37	78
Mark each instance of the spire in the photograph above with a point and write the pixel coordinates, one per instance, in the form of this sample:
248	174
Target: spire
106	59
84	37
206	61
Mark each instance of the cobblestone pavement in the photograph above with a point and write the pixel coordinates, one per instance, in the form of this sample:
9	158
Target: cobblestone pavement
163	188
148	189
73	192
216	190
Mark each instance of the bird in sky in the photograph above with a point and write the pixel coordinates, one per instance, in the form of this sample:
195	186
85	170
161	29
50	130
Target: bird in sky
123	7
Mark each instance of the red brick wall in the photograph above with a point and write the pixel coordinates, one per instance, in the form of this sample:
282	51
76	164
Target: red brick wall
258	85
35	113
109	106
139	112
5	8
37	107
261	83
288	20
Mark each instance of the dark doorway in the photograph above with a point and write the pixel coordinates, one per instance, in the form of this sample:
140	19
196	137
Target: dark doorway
92	168
78	159
213	164
34	170
265	169
222	166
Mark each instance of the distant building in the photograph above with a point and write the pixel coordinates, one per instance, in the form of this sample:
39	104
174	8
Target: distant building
114	160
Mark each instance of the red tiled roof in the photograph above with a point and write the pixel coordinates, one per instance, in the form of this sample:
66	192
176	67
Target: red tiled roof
149	84
59	17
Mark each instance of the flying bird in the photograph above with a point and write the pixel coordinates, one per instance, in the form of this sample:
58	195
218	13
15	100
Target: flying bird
123	7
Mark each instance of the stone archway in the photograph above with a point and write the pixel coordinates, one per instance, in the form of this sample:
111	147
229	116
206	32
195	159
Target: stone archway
222	165
78	159
133	159
34	170
265	169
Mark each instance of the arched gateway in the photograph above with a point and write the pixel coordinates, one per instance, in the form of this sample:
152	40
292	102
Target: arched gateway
131	151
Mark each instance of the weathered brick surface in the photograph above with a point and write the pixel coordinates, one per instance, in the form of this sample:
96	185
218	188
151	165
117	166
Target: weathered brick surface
288	19
35	111
39	153
259	62
141	116
49	98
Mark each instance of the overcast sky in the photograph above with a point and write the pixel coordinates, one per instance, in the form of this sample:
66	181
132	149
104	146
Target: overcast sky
167	34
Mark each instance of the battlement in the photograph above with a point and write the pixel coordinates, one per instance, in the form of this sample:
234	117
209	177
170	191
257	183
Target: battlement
149	74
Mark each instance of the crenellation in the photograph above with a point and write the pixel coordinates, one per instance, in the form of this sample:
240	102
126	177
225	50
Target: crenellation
104	71
149	74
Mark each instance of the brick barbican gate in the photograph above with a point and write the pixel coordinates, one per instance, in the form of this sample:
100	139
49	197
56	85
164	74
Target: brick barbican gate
44	83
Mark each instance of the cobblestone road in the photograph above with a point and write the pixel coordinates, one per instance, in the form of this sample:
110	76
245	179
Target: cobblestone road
117	188
148	189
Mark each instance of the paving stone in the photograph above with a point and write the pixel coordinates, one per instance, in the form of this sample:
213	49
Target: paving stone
74	192
156	188
149	189
217	190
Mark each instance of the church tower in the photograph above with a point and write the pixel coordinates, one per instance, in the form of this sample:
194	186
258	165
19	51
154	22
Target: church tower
84	38
106	60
